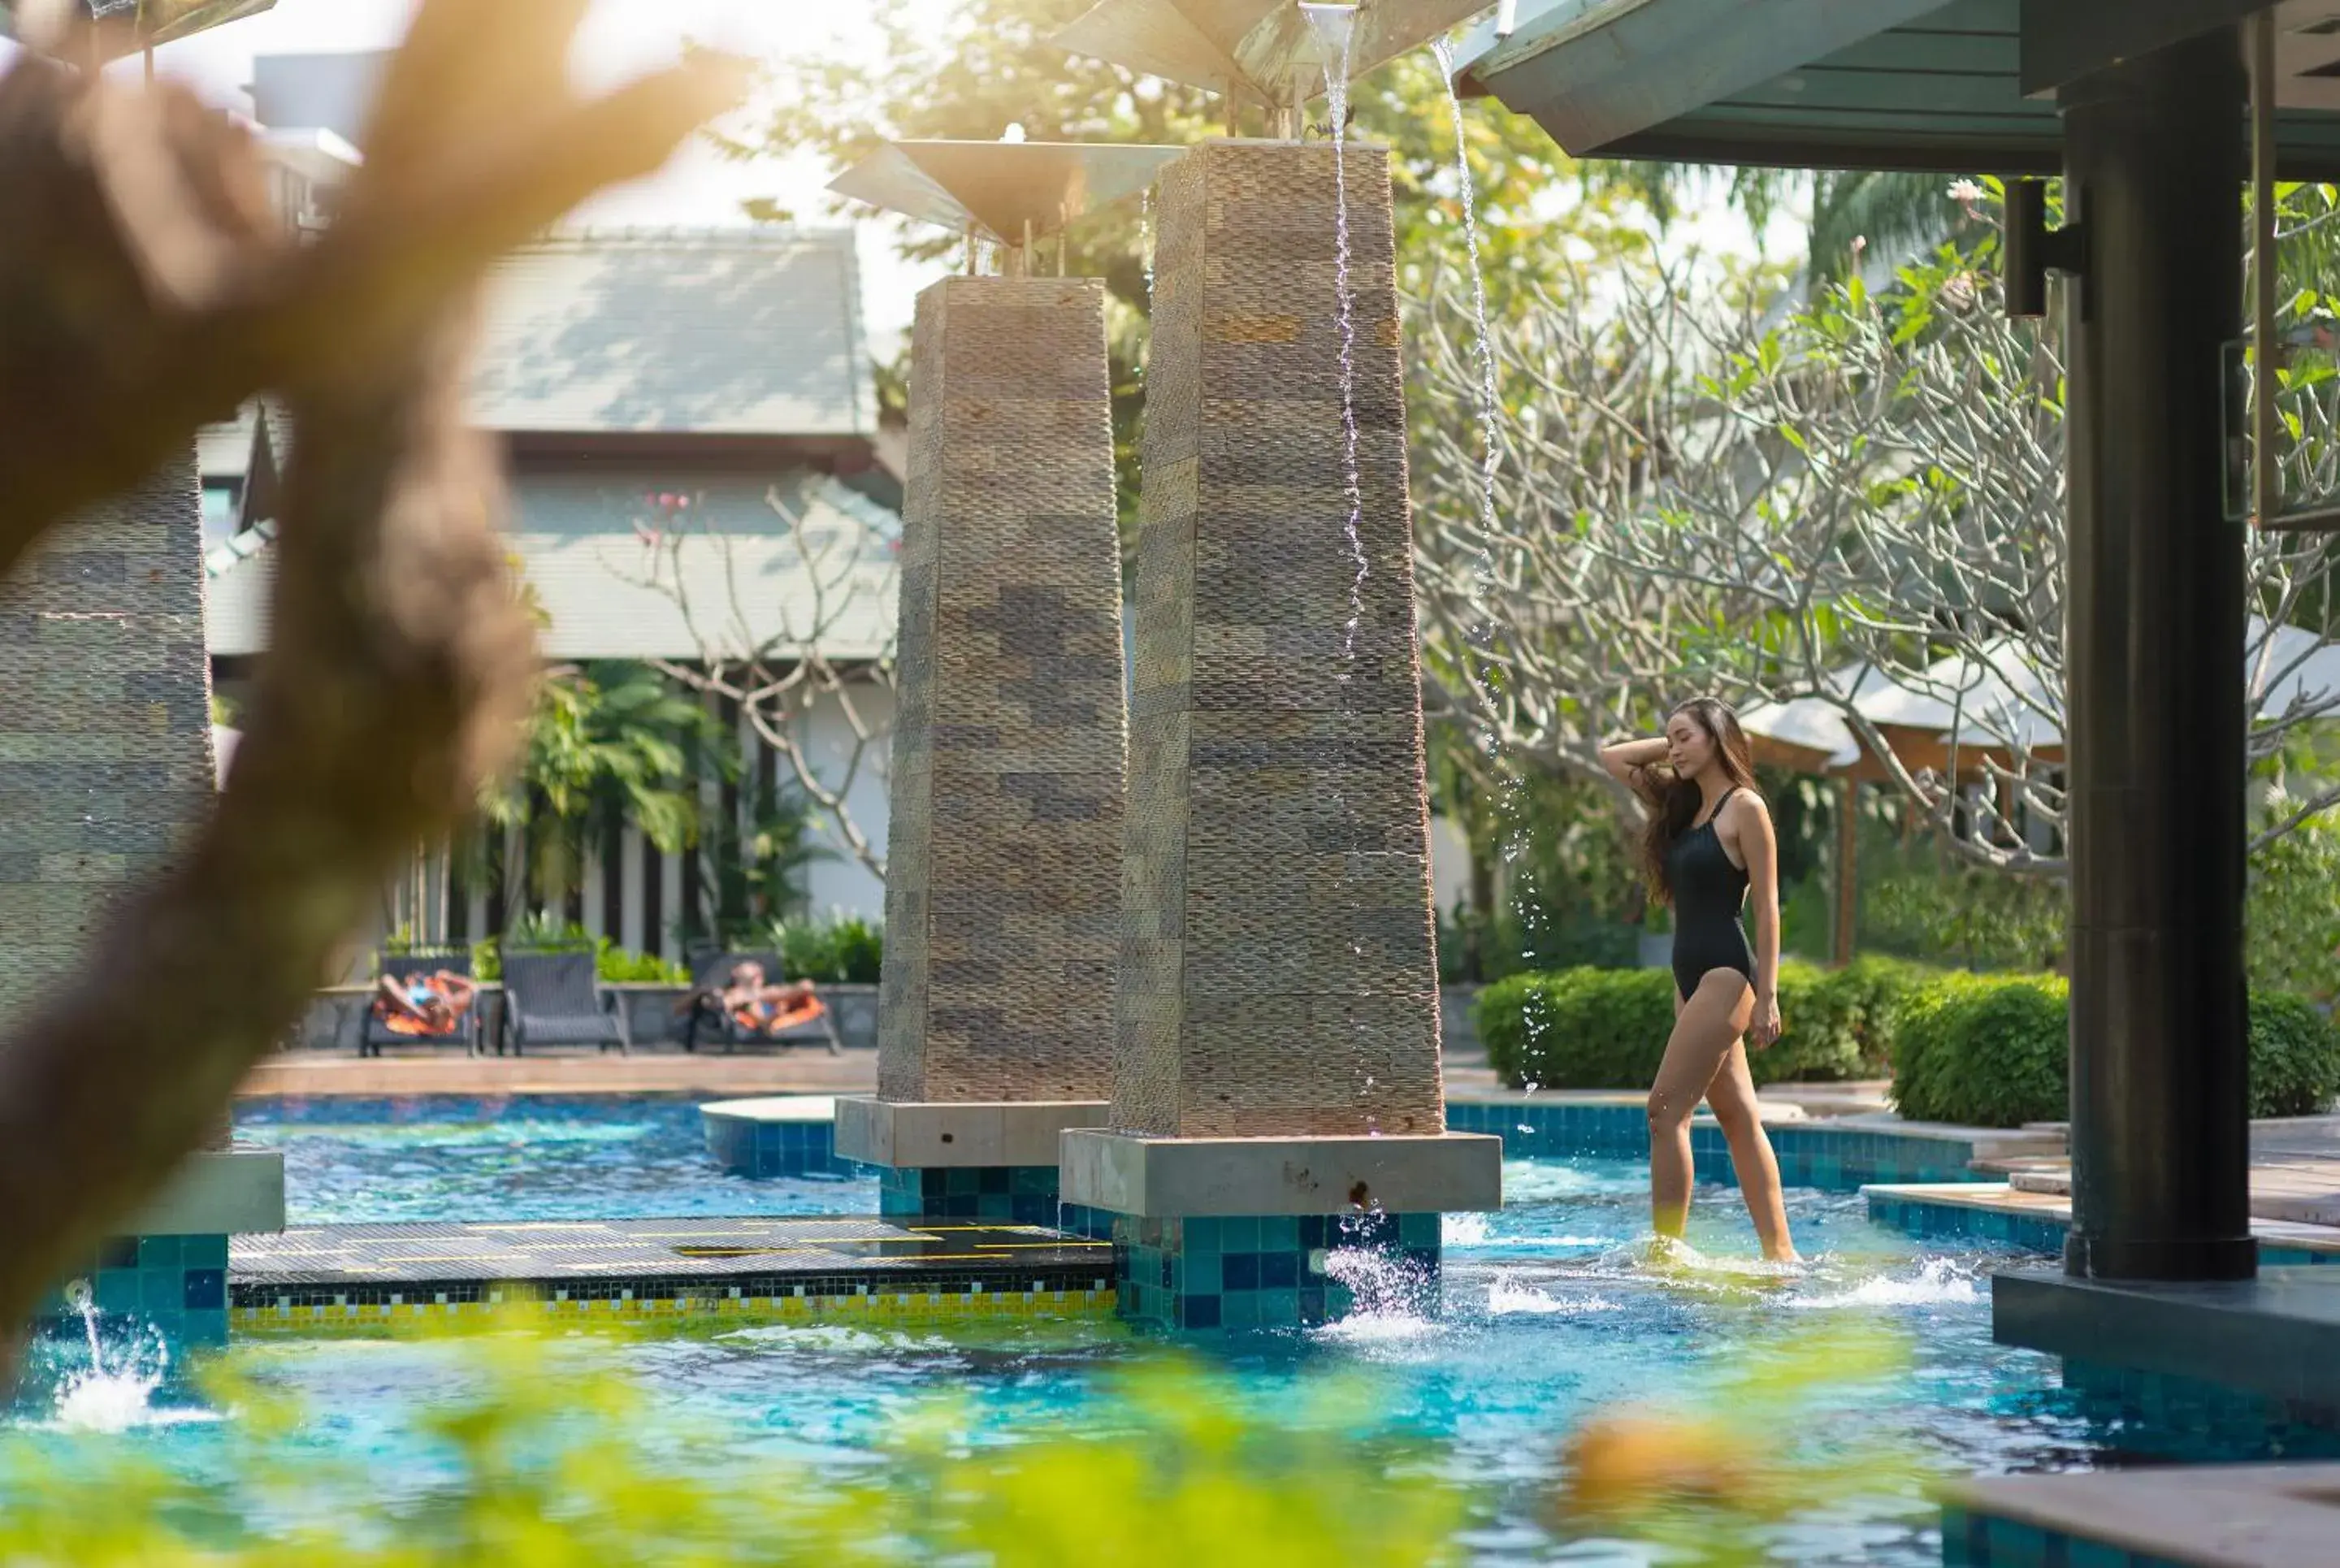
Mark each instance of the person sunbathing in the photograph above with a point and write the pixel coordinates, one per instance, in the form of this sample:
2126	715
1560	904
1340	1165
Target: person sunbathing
420	1004
767	1010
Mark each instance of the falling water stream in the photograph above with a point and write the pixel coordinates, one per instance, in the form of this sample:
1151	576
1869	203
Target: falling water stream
99	1400
1483	344
1336	29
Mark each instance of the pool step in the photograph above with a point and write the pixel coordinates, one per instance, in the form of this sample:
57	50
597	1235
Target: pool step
384	1277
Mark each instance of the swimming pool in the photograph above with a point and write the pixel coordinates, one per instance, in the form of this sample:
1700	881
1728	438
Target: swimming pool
355	1161
1552	1310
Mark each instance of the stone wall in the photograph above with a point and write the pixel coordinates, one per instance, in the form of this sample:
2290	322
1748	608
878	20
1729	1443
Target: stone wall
1009	737
1279	973
105	747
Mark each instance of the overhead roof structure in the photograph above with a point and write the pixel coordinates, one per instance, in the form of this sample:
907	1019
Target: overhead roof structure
1964	86
156	21
707	331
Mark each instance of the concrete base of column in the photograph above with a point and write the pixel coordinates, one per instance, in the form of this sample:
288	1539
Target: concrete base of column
1214	1234
952	1134
981	1160
1233	1272
996	1195
1168	1179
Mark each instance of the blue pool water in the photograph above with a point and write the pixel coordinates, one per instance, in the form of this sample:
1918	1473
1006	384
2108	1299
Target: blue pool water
525	1157
1552	1310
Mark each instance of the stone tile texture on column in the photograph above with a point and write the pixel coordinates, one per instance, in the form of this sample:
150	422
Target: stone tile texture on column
105	744
1279	972
1002	897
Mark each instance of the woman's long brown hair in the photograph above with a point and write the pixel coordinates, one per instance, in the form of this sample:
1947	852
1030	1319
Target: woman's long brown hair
1674	802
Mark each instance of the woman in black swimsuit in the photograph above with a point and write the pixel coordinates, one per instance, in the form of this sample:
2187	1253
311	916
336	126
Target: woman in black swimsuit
1707	844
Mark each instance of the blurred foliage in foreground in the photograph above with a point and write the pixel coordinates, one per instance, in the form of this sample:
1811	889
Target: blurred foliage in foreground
545	1467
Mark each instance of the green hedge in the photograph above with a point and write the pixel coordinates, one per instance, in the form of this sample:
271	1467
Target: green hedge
1994	1051
1983	1050
1589	1028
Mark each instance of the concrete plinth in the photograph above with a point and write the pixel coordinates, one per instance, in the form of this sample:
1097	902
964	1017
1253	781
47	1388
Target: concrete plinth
994	1161
1278	1233
776	1136
1166	1179
168	1276
2274	1340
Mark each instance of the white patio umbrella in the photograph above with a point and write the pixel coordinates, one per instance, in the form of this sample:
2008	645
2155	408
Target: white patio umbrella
224	744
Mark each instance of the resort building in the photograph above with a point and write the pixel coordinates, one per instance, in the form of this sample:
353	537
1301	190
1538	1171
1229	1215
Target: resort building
692	425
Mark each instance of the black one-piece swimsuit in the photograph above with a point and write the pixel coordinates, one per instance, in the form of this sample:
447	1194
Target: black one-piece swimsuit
1708	892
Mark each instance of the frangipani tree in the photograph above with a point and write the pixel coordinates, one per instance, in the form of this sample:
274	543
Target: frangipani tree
1859	496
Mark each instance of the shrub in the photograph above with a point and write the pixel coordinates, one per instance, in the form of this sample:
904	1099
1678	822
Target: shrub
845	949
1994	1051
1582	1028
1983	1050
612	965
2294	1056
1591	1028
2294	912
1870	991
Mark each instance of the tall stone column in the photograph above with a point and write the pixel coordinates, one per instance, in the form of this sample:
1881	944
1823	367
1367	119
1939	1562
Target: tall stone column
1004	844
1276	1089
105	776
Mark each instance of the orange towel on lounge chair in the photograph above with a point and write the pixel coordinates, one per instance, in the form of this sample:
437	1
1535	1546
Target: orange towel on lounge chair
789	1017
407	1024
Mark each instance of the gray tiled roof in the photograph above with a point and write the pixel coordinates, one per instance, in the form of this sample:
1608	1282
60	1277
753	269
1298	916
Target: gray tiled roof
606	586
714	331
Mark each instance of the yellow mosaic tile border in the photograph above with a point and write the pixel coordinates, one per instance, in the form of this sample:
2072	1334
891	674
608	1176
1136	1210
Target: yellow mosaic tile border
890	1307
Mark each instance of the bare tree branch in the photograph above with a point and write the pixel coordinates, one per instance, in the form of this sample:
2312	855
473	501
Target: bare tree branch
780	676
1867	493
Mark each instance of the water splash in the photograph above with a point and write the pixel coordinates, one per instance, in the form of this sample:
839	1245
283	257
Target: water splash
1394	1298
1507	1294
1464	1230
1939	1282
1336	37
100	1400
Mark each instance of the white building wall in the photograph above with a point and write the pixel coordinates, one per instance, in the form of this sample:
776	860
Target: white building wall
838	882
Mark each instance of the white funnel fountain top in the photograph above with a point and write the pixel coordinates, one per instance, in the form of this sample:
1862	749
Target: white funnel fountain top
1007	191
1256	51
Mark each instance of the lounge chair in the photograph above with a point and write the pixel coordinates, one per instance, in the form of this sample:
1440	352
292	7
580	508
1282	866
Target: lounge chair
554	998
704	1012
470	1025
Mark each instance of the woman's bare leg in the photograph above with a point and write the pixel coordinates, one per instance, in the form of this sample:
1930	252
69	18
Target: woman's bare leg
1706	1026
1731	1097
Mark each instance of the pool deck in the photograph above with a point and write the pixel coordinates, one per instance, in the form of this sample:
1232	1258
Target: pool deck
2294	1200
377	1277
665	1069
314	1074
